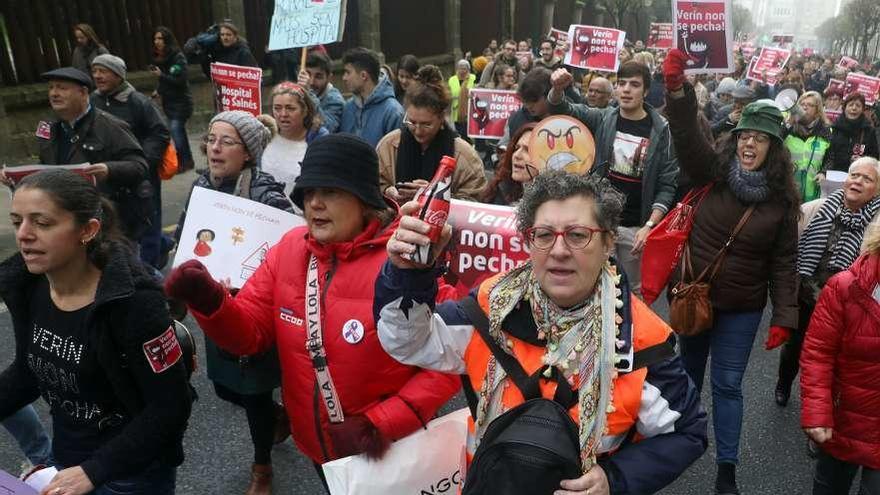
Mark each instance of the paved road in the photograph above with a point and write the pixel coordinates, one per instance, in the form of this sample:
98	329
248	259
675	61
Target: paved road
773	459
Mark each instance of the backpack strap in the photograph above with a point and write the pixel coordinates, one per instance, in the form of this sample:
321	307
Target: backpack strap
654	354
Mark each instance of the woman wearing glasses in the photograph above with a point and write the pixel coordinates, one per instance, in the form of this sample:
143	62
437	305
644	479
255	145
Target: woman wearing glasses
565	311
750	169
408	157
234	146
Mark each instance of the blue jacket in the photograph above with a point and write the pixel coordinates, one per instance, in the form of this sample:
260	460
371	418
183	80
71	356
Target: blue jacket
379	115
330	105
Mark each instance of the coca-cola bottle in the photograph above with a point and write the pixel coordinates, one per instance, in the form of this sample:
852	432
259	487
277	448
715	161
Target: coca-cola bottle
434	207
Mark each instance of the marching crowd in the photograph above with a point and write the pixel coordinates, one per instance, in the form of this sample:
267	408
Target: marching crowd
367	345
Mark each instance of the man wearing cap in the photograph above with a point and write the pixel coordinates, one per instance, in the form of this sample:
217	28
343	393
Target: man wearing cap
81	133
118	97
728	117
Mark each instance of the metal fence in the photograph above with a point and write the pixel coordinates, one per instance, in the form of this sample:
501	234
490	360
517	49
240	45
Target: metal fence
37	36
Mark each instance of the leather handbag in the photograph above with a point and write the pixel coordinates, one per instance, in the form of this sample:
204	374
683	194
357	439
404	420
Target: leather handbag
690	308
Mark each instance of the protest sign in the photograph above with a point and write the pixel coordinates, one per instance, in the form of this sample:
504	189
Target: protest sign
836	85
770	61
847	63
302	23
868	86
661	35
10	485
560	41
747	49
488	110
832	115
524	58
17	173
230	235
484	242
560	142
704	33
237	87
782	39
594	47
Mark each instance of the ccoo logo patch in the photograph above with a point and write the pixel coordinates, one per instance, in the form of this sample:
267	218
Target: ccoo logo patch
353	331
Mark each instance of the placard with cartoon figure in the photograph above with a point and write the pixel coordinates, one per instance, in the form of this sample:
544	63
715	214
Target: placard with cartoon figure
230	235
703	32
560	142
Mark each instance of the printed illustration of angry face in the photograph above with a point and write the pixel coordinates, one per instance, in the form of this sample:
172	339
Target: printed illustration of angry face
562	143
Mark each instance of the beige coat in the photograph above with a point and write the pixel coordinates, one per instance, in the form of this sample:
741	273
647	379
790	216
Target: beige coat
468	180
810	208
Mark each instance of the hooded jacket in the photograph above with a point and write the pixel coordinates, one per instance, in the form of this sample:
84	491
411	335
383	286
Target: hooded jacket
330	103
270	310
375	117
839	366
661	173
129	311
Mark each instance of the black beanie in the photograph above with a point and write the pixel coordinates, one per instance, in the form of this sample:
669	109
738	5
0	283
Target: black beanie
343	161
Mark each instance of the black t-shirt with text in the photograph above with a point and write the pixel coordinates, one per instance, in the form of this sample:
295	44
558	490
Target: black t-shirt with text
71	380
628	165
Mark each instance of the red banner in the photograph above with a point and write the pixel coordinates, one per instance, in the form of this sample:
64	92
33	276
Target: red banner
832	115
237	87
704	33
488	110
560	41
836	85
769	61
868	86
847	63
661	35
484	242
594	47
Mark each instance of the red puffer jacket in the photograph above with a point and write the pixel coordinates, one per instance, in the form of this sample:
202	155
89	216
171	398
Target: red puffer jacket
270	309
840	365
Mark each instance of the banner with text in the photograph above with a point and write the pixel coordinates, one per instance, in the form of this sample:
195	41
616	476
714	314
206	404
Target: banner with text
594	47
560	41
868	86
297	23
16	173
847	63
484	242
836	85
661	35
488	111
769	61
704	33
230	235
237	88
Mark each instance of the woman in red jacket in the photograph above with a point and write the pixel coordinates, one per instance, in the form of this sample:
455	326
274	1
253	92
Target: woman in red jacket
313	297
839	368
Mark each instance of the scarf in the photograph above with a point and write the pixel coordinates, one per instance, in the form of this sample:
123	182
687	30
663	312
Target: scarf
580	344
814	240
412	163
749	186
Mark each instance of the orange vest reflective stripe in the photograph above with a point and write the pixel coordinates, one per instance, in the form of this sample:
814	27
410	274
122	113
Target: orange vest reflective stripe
648	330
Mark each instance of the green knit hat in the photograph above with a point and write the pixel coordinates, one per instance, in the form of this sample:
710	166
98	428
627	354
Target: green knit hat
761	116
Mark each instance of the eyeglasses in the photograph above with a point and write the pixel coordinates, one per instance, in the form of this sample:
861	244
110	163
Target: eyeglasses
760	137
425	126
225	141
576	237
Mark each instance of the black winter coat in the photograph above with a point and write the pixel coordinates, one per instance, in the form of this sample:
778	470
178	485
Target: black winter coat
143	118
237	54
177	101
129	310
845	136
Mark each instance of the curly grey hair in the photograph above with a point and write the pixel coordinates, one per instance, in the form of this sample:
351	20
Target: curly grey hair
560	185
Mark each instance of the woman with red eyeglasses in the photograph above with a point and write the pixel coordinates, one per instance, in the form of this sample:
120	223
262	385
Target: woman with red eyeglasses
299	123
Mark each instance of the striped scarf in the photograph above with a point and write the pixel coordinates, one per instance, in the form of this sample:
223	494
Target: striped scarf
814	240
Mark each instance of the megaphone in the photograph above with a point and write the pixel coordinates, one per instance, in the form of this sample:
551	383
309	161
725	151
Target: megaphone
787	102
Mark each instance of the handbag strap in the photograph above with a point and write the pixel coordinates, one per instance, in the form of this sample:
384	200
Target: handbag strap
719	258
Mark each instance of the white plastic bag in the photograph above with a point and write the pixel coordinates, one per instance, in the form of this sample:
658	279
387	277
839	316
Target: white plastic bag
427	461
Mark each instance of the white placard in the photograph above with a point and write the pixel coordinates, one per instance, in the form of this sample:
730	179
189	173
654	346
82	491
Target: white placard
834	180
230	235
297	23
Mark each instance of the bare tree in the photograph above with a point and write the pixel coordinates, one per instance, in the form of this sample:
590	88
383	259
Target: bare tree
619	10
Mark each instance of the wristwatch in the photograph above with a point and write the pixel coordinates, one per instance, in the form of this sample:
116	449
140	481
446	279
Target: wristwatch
650	224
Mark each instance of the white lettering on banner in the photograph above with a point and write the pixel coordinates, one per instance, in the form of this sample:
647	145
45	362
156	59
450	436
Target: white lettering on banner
494	264
297	23
315	345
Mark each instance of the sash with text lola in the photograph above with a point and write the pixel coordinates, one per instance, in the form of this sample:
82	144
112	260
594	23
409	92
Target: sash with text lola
315	345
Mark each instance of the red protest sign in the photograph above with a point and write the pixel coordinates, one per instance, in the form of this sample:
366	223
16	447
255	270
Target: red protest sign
488	110
770	61
782	39
16	173
661	35
748	49
832	114
524	59
560	40
836	85
704	33
237	87
868	86
594	47
484	242
847	63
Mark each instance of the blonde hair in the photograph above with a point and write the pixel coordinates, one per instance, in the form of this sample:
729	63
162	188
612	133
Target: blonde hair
820	105
871	244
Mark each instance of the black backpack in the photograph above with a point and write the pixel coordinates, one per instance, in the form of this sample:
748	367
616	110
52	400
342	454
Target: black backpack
532	447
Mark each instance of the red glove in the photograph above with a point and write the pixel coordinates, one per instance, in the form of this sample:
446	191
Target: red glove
357	434
673	69
777	336
192	284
